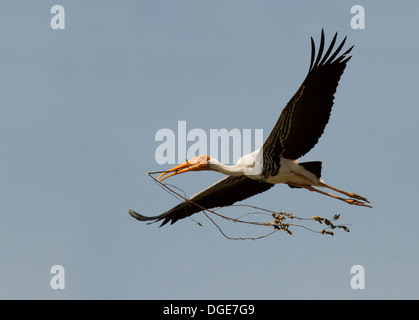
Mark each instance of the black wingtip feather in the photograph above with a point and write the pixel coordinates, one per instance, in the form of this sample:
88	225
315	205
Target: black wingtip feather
137	216
327	58
330	60
164	222
332	44
321	47
313	54
140	217
343	58
347	51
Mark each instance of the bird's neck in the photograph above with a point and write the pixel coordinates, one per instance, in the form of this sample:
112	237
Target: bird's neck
233	170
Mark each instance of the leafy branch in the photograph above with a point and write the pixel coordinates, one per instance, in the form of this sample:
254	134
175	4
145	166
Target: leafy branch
282	221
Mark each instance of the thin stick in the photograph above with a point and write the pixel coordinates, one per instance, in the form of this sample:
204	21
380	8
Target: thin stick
277	226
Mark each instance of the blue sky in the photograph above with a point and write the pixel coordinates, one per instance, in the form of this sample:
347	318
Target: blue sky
80	108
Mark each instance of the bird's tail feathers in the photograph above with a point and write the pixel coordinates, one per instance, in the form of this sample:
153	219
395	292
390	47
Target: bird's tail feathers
315	167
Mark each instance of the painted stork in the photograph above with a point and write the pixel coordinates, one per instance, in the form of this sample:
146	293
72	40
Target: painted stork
299	127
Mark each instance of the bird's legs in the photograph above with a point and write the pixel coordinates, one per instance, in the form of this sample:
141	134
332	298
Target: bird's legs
349	194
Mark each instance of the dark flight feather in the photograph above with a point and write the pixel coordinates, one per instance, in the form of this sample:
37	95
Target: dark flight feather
223	193
304	118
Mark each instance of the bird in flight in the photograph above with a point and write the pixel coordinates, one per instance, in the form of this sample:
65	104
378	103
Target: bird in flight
299	127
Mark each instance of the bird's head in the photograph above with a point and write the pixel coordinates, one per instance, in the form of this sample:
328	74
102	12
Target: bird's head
198	163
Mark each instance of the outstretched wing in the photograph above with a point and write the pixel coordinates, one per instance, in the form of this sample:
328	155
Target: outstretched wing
305	116
223	193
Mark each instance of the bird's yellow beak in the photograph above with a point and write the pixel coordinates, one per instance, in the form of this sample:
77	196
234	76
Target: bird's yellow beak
196	164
